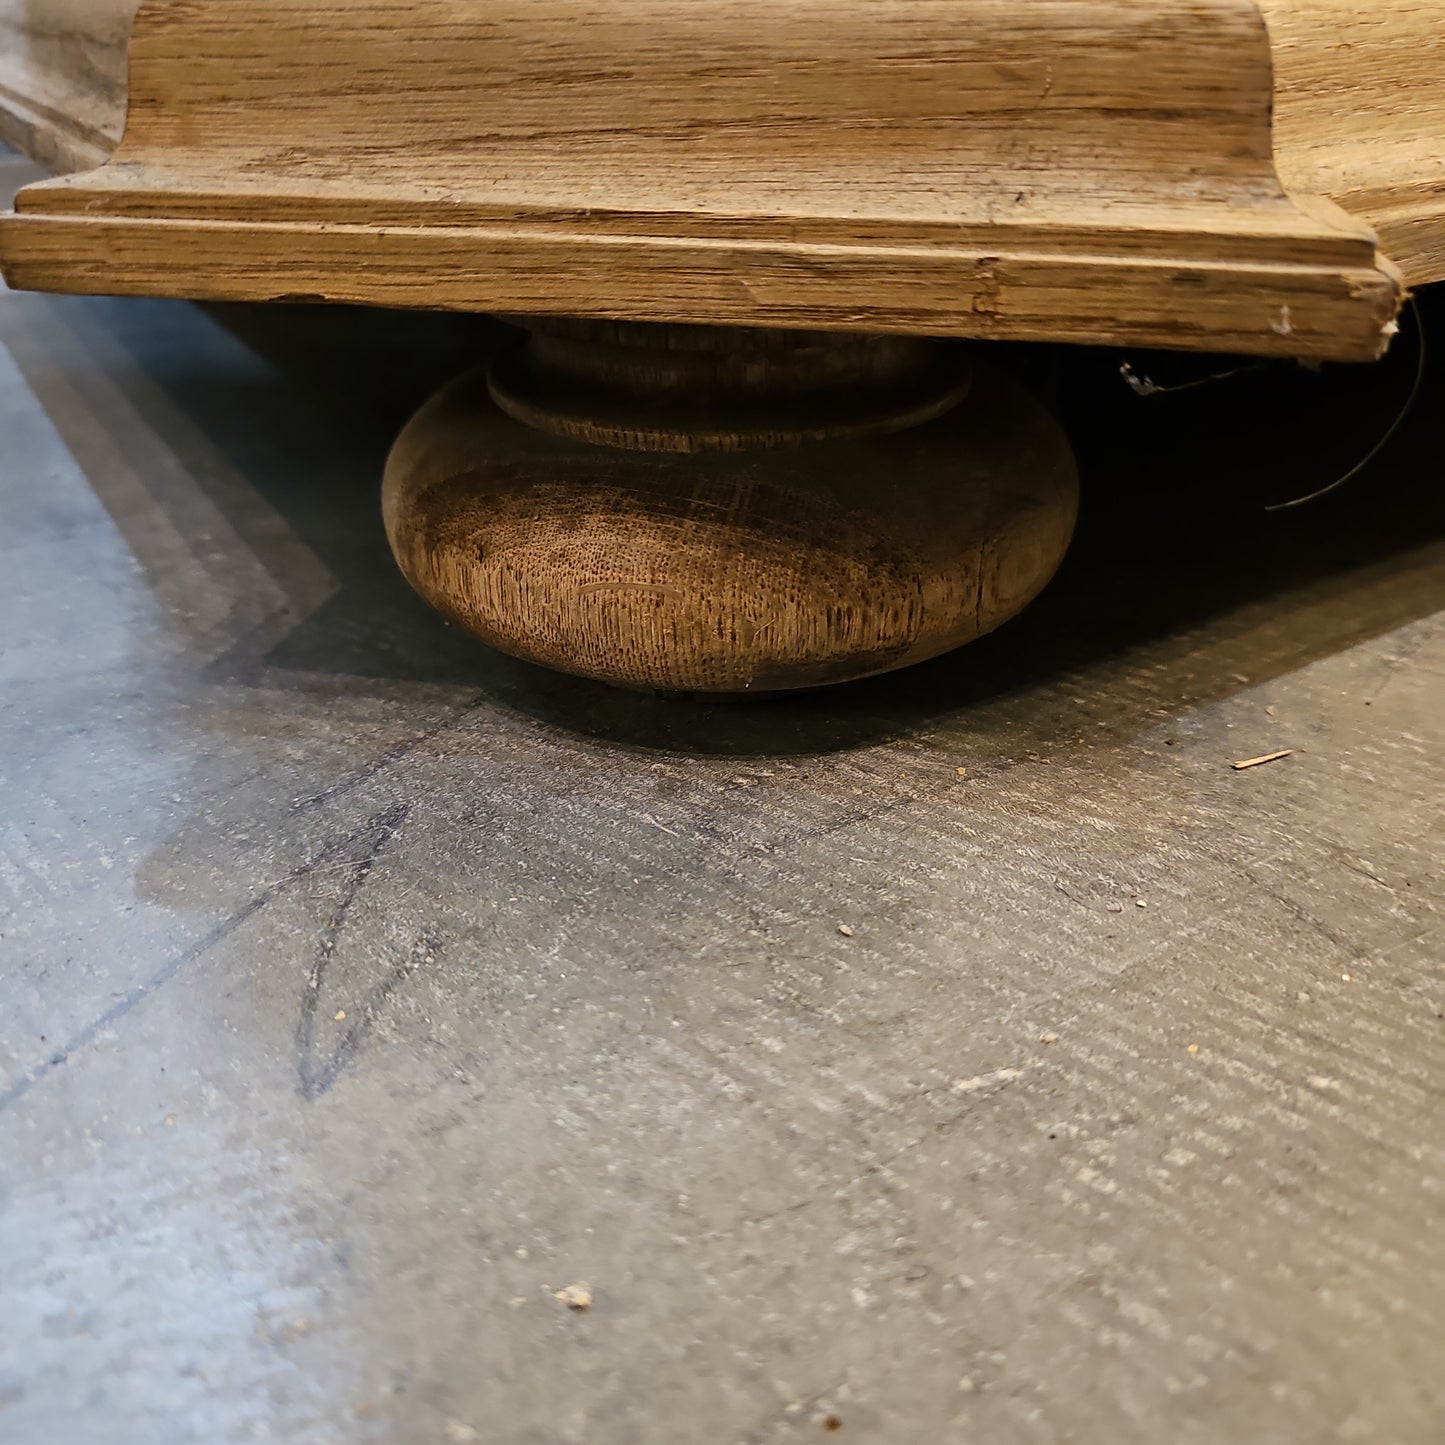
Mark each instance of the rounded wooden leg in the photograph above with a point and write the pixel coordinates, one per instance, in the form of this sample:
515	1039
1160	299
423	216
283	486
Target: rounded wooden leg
713	510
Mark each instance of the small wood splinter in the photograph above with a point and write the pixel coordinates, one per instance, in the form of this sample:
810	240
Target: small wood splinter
1267	758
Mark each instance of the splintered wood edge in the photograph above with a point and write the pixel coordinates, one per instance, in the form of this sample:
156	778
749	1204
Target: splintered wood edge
1121	252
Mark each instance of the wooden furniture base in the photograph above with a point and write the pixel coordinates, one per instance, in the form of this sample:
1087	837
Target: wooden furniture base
1199	174
637	497
710	510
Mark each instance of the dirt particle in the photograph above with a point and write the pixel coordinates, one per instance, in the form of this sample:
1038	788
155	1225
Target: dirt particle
831	1423
576	1296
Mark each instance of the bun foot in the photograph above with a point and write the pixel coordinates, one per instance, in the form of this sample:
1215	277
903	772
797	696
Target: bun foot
703	510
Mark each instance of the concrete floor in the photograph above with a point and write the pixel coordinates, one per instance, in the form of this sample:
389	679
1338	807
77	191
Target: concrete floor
362	988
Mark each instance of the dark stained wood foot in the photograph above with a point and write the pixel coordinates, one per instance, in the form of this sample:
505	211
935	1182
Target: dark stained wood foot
721	510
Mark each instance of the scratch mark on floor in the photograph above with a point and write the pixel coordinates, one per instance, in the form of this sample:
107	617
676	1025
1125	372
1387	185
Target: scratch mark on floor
174	965
393	754
316	1078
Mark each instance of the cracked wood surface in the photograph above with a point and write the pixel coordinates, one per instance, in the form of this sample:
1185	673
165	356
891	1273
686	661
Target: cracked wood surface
1066	171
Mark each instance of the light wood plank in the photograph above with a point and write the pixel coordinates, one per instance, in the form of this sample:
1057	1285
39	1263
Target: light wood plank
1090	170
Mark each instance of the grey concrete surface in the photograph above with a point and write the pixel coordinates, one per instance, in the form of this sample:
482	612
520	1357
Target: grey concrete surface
359	989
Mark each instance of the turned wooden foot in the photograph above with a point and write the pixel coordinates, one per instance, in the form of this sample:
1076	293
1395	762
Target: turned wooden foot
721	510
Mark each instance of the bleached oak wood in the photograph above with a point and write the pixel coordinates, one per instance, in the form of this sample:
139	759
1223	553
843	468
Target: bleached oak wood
63	79
1360	116
1083	170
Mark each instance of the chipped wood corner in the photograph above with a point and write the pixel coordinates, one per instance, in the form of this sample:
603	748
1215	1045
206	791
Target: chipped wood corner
1103	172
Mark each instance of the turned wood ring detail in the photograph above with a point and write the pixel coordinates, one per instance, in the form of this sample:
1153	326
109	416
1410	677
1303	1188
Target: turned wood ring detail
712	388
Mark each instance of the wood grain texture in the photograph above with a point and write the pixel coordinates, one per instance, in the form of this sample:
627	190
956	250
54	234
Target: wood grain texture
1360	116
1099	171
63	79
774	567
